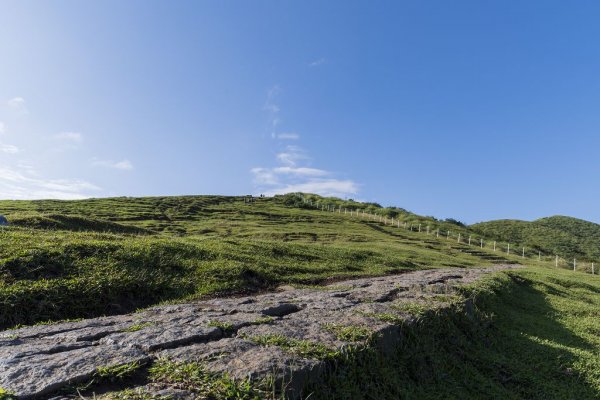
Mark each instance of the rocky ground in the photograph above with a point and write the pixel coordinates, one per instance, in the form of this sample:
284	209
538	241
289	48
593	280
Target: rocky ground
286	336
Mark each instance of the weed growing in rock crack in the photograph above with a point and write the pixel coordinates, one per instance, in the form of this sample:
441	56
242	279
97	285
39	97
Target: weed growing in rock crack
415	309
117	372
9	337
137	327
6	395
49	322
334	288
263	320
446	298
196	377
131	394
225	326
386	317
302	348
349	333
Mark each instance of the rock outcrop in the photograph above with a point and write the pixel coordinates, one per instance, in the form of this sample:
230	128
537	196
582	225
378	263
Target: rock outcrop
36	362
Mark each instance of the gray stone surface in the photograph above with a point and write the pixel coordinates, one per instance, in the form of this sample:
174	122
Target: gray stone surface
37	361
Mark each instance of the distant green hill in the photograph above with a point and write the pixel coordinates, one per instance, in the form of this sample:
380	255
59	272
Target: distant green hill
565	236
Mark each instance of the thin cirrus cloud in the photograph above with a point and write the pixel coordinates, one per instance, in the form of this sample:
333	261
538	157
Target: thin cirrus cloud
124	165
18	105
293	172
317	62
292	155
25	184
72	137
274	176
288	136
8	148
272	109
281	180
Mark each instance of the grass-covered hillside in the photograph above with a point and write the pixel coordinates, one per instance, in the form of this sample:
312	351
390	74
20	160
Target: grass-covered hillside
564	236
74	259
534	333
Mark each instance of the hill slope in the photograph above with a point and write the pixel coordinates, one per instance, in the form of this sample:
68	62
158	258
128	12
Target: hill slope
149	250
76	259
565	236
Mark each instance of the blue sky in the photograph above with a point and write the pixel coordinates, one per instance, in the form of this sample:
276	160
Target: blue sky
475	110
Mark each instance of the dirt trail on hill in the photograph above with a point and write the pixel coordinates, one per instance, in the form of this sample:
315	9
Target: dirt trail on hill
228	335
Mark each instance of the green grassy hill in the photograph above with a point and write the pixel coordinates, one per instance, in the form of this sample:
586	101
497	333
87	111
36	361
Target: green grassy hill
564	236
126	253
537	334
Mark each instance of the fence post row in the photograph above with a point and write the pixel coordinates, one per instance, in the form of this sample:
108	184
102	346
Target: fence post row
380	218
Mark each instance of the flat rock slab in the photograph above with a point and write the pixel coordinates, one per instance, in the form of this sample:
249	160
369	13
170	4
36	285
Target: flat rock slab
36	362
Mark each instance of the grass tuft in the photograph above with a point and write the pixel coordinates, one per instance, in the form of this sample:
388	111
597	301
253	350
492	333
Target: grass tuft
208	385
117	372
349	333
302	348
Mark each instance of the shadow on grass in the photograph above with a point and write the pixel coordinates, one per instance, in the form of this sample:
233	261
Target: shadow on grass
512	347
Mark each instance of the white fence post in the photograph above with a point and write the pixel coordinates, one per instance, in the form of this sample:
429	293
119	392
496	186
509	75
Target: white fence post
523	256
469	240
574	264
508	251
494	245
557	261
481	243
458	241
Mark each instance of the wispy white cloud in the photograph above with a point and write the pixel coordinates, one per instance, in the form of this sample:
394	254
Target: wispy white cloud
124	165
264	176
18	105
324	187
288	136
317	62
24	183
8	148
73	137
272	108
279	175
292	155
293	172
291	177
301	171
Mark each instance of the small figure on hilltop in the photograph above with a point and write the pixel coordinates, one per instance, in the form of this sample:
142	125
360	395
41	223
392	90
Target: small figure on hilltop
3	220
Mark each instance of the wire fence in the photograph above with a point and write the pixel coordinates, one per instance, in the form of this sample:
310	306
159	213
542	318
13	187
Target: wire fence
475	241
